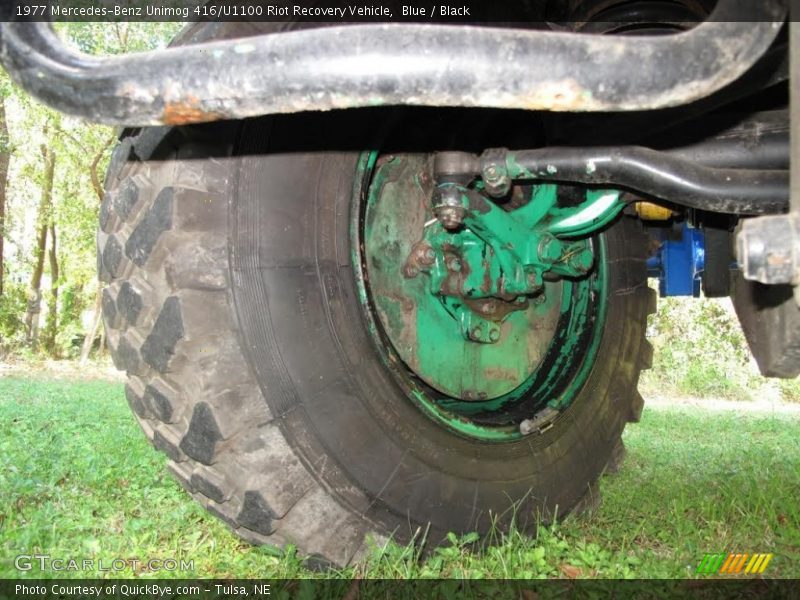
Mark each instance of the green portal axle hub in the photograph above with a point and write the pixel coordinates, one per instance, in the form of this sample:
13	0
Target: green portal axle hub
472	296
505	252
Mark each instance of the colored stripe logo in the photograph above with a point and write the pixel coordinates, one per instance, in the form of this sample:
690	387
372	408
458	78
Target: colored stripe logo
733	563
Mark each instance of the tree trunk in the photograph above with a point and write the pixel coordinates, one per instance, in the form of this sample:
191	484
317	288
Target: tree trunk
5	156
88	341
94	174
52	308
43	218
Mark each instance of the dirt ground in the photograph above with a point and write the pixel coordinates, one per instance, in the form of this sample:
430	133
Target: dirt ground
766	406
105	370
61	369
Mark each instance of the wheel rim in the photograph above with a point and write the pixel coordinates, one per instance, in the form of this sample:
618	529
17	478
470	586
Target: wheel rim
550	344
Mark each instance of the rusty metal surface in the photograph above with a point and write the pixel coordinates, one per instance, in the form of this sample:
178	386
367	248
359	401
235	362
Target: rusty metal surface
370	65
425	335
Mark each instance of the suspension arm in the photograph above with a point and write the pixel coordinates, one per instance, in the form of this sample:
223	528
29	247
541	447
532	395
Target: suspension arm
648	171
369	65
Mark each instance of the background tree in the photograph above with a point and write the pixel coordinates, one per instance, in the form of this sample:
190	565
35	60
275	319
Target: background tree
43	217
49	210
5	157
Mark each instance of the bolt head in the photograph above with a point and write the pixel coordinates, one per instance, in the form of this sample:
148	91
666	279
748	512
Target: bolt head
475	332
450	217
581	262
451	224
454	264
448	208
494	335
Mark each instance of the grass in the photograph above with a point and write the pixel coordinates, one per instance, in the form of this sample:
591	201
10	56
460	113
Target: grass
79	480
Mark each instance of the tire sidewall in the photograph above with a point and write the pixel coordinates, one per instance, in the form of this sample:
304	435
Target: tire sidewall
301	315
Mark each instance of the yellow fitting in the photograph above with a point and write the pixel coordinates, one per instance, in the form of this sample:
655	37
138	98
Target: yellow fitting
648	211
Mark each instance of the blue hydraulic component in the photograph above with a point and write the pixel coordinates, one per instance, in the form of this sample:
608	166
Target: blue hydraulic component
680	260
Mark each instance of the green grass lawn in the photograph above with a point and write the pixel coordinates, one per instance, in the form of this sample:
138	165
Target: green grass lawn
78	479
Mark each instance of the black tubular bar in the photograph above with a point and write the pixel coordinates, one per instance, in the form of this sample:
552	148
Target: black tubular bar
645	171
664	176
757	143
393	64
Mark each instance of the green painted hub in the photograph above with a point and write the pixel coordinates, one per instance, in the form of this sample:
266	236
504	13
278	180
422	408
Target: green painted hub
507	252
428	329
426	290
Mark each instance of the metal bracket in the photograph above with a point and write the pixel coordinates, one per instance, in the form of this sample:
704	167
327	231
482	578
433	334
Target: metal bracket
680	260
768	247
484	262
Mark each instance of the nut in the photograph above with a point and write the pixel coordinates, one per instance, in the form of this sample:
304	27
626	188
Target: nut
451	217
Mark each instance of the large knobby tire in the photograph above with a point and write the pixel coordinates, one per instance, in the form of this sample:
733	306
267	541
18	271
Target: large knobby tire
233	306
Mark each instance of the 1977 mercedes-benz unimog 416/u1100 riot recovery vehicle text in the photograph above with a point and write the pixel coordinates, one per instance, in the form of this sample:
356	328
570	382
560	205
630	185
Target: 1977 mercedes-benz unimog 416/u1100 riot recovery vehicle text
390	279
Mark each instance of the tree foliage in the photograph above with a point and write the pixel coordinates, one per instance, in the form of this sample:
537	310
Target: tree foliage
57	233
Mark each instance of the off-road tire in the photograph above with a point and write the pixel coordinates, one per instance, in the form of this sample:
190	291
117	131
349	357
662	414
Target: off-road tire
231	305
